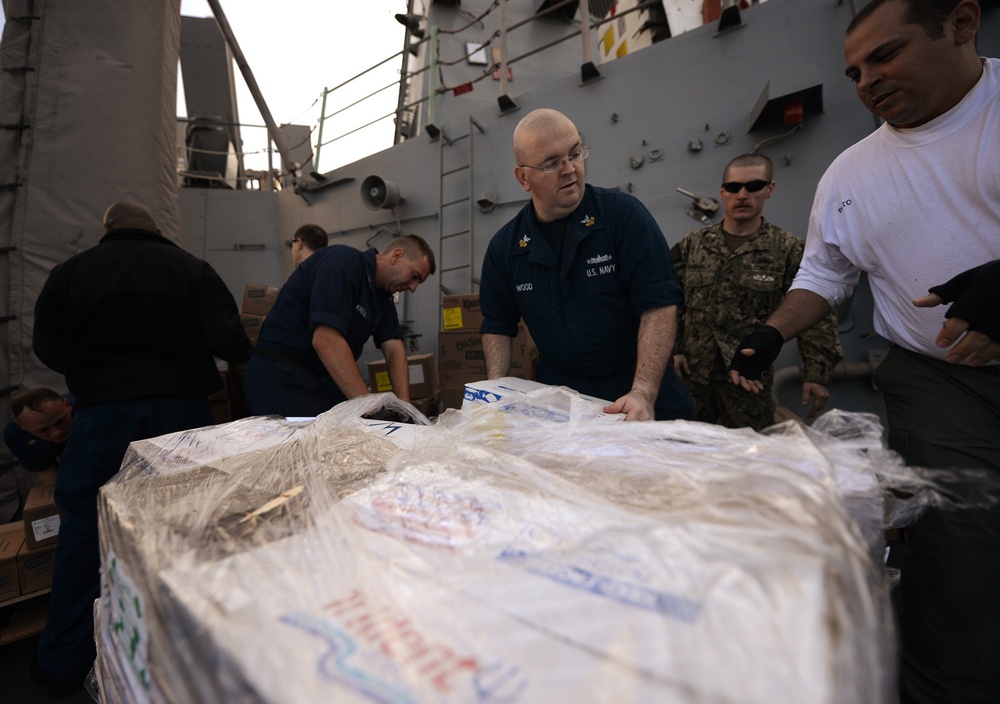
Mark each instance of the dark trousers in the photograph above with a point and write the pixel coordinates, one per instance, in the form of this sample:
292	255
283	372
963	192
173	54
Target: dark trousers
98	440
947	416
275	387
723	403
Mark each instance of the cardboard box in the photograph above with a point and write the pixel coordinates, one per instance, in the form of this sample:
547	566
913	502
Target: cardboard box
428	406
461	312
460	357
252	325
452	397
423	376
11	541
258	299
494	390
41	518
35	568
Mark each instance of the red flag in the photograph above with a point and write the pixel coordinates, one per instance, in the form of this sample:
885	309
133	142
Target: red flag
464	88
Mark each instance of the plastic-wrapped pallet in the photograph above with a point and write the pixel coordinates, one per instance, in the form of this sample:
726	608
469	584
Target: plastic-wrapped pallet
493	557
191	497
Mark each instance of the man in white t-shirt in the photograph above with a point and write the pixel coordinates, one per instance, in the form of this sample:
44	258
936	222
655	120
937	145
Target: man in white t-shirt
915	205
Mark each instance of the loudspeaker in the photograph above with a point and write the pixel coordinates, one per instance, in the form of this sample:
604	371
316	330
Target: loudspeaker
377	193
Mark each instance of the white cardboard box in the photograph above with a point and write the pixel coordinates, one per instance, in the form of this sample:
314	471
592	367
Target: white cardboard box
494	390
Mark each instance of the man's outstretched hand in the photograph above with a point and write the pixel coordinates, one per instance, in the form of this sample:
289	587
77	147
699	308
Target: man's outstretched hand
973	320
755	355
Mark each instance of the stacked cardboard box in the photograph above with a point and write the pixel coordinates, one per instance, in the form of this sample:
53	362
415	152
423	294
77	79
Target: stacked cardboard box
460	349
423	381
252	325
461	312
11	540
712	565
27	563
41	518
561	409
258	299
257	302
35	567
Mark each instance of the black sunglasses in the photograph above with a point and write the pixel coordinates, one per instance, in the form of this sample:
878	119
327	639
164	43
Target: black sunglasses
289	243
757	184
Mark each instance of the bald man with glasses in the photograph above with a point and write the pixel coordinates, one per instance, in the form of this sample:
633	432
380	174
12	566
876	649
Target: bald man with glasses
589	272
734	273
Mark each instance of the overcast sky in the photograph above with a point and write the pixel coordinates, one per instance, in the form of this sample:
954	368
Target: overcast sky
295	48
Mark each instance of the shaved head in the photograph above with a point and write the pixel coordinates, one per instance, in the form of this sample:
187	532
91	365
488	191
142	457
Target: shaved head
752	159
535	124
121	216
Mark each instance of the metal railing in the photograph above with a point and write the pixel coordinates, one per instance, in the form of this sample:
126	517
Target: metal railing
405	111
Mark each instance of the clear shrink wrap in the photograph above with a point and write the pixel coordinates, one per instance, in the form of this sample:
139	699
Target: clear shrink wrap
496	556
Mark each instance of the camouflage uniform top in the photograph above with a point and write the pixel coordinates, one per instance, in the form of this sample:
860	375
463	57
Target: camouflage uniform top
729	294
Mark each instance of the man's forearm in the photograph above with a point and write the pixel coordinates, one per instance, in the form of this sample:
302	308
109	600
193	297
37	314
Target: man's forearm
497	353
338	360
798	311
399	370
657	332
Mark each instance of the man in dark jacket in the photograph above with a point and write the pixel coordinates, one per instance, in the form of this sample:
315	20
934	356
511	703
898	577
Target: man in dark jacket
133	324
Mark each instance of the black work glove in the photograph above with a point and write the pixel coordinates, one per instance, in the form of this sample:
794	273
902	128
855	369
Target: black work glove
767	341
389	415
976	296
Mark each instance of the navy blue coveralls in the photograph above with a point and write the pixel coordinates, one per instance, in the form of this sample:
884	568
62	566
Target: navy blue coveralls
336	287
583	312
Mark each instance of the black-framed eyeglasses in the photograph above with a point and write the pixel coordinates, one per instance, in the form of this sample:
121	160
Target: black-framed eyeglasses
289	243
553	165
758	184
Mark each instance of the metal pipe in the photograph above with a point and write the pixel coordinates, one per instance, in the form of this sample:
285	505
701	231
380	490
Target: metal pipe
503	47
432	76
403	80
279	141
272	181
843	370
472	197
319	135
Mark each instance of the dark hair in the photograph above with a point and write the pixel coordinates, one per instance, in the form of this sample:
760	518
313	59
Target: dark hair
751	160
415	246
313	236
929	14
32	399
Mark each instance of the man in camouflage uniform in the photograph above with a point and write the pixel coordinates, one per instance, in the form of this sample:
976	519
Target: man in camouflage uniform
734	274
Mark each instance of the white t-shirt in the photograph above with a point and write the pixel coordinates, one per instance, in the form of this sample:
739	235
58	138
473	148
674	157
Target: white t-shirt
912	208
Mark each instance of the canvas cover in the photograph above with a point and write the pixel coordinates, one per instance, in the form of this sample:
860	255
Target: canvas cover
90	89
